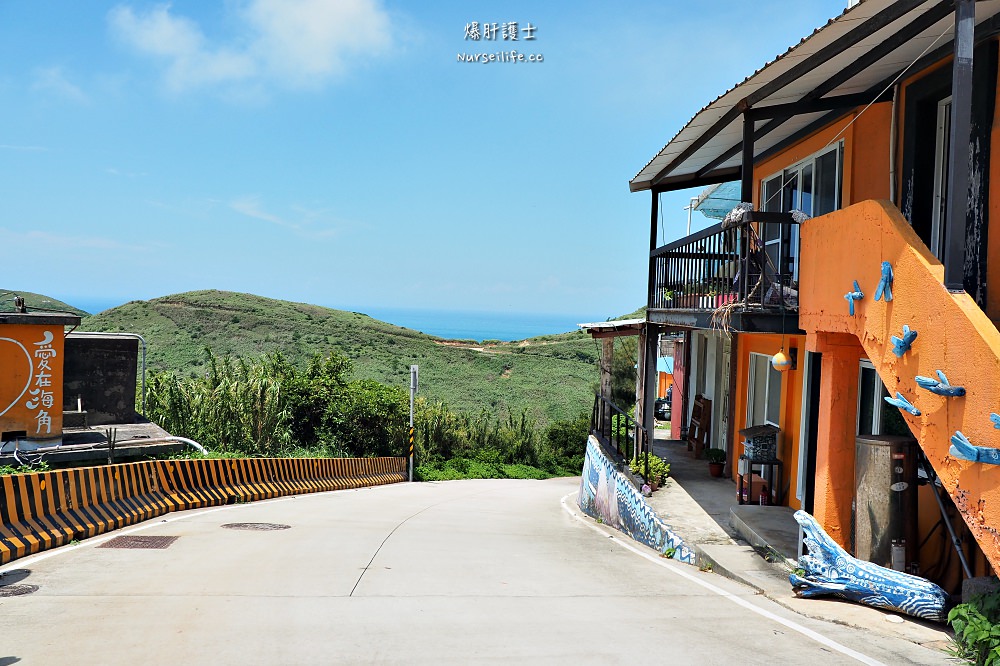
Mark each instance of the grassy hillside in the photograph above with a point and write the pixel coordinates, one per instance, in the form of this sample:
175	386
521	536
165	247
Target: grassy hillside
552	376
35	302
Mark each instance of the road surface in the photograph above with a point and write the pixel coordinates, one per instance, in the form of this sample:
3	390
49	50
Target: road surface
451	572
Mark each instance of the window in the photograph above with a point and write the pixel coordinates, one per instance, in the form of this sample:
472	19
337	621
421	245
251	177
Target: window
870	394
939	212
812	186
764	388
875	415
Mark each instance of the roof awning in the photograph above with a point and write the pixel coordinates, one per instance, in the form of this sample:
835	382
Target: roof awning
716	201
614	329
852	61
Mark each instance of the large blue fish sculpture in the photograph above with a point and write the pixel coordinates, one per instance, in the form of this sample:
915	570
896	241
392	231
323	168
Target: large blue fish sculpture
830	570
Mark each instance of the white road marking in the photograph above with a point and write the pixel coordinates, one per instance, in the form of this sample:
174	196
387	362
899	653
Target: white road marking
677	570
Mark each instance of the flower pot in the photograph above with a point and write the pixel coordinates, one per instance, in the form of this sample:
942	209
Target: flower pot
715	468
686	301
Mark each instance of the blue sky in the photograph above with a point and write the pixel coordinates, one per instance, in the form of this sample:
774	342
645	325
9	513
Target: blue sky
336	152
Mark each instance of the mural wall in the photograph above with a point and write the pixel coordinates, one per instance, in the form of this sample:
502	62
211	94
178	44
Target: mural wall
606	493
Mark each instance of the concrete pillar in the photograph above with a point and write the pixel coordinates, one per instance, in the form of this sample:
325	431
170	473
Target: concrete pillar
838	406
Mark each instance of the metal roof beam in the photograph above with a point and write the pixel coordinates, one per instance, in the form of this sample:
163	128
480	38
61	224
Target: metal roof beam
672	183
961	128
869	27
809	129
884	48
785	111
985	30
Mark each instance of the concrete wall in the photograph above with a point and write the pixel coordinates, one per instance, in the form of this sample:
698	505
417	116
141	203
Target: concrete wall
954	335
607	494
790	438
49	509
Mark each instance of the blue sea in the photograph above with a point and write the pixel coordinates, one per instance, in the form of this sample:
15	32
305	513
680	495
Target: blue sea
481	325
444	323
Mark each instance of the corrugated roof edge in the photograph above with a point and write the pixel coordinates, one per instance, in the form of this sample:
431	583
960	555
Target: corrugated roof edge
756	73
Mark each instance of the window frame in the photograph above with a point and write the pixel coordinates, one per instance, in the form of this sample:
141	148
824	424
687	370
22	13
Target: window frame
751	389
795	172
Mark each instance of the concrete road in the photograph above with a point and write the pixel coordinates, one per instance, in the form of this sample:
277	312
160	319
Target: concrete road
452	572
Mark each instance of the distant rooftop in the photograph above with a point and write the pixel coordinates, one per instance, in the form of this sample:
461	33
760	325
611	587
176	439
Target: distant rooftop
40	318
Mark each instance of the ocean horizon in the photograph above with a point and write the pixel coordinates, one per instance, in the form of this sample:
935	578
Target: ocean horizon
449	324
479	326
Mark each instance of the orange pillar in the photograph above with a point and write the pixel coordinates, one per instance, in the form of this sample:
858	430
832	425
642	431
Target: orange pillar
838	406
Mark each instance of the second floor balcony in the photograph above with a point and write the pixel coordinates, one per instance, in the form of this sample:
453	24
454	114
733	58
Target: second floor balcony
742	276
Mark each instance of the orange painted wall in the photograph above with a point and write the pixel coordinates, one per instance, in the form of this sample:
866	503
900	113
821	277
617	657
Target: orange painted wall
867	177
866	139
31	384
665	381
791	405
954	335
866	154
800	151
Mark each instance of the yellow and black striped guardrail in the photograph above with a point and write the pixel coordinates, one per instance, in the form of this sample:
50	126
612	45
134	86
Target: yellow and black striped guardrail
48	509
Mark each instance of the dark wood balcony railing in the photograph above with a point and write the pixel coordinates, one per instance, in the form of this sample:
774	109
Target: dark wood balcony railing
617	429
750	264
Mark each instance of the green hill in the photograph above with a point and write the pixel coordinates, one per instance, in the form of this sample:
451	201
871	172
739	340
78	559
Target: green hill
35	302
551	376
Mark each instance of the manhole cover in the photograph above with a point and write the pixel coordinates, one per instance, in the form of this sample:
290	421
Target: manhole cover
256	527
134	541
17	590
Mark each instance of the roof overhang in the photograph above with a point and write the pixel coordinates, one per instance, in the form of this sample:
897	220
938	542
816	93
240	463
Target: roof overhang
40	318
614	329
850	62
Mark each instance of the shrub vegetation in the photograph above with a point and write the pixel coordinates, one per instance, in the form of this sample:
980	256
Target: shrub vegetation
269	407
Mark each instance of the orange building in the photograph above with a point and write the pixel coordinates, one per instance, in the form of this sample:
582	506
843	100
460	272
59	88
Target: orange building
31	385
866	152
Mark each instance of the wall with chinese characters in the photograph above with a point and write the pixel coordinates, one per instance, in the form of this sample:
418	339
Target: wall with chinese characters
31	383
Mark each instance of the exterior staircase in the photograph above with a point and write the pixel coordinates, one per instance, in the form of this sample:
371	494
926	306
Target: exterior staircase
954	335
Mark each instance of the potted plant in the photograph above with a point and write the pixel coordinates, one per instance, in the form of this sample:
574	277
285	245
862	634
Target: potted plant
659	469
716	461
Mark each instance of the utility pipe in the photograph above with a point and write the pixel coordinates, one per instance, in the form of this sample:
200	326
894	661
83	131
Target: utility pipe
689	208
164	440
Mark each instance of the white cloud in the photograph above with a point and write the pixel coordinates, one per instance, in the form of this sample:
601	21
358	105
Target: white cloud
52	80
313	224
288	43
251	207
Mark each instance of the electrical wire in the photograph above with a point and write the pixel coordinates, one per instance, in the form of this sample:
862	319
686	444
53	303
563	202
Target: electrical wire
894	81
